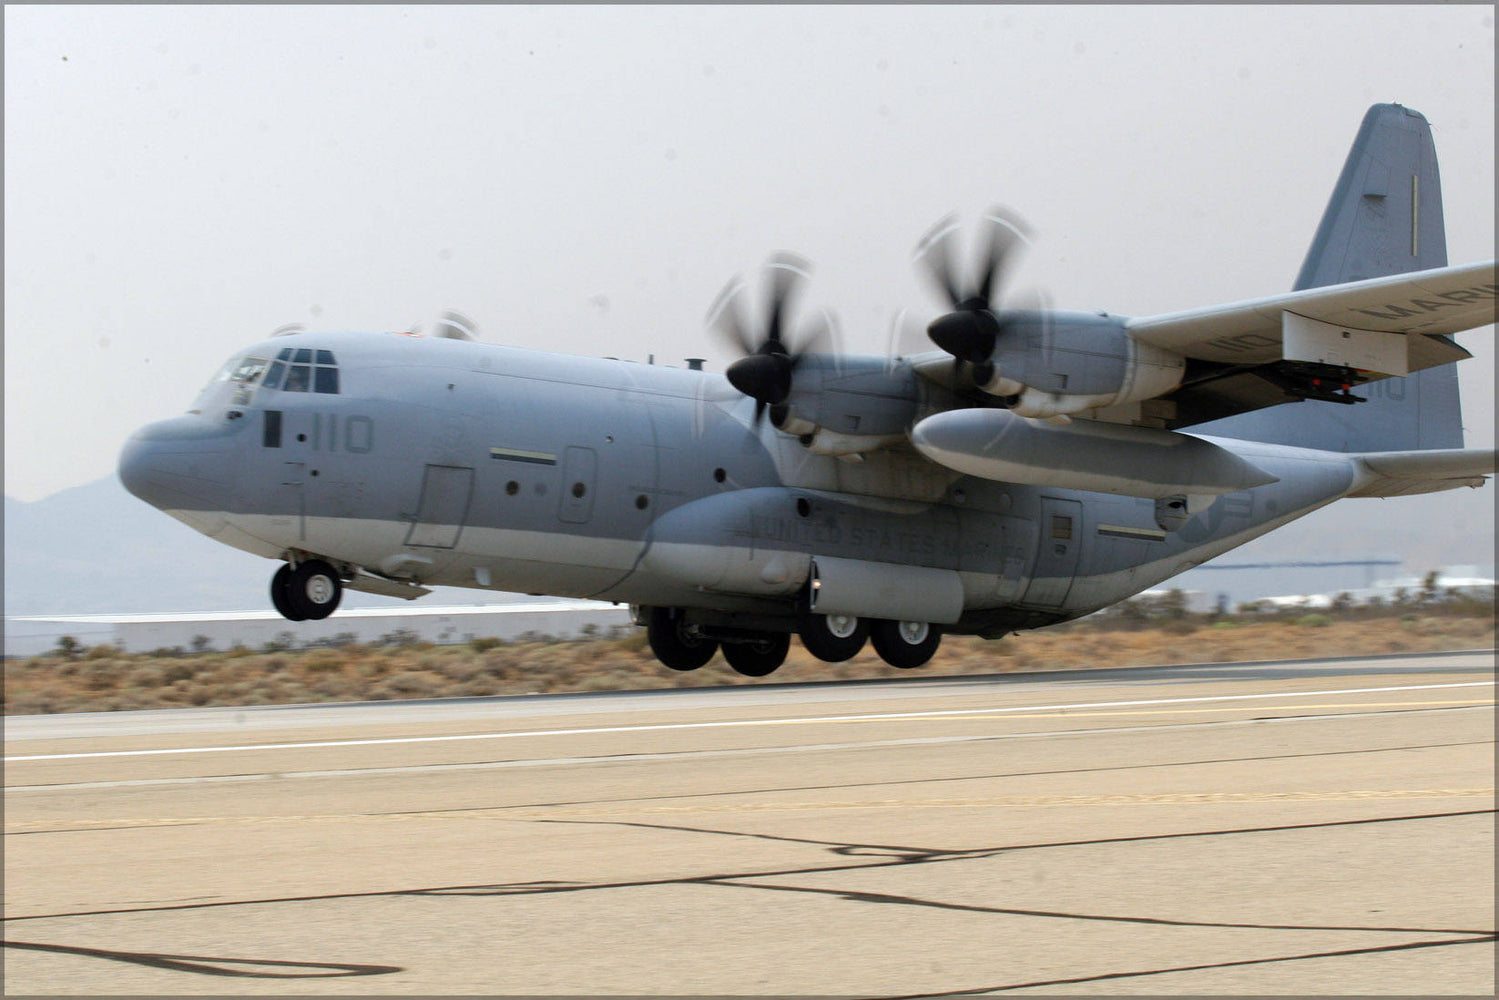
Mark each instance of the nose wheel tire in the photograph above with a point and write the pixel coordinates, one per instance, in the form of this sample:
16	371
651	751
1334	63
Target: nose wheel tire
310	592
281	595
759	657
833	638
673	645
905	644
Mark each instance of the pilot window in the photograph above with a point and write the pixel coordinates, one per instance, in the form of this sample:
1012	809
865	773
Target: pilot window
303	369
244	373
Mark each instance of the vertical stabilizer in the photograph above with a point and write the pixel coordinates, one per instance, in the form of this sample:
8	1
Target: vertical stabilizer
1385	217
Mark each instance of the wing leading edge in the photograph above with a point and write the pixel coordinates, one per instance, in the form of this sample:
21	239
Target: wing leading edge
1440	301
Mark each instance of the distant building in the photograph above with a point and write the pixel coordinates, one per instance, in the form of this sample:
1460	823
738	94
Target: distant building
30	636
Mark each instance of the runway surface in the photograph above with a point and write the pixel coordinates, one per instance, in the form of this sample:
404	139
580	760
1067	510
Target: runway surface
1319	827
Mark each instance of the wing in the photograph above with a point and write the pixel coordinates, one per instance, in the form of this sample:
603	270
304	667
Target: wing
1249	355
1441	301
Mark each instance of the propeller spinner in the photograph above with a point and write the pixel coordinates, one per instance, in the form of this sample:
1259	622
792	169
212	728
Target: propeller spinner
770	359
970	332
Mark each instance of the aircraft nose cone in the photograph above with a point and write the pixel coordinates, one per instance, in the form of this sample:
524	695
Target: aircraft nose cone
179	464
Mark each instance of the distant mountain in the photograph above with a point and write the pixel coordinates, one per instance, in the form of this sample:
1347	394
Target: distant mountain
95	549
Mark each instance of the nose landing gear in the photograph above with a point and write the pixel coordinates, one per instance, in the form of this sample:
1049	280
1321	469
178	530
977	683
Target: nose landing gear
310	592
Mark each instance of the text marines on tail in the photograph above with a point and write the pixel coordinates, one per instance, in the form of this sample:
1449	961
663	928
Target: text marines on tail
1040	465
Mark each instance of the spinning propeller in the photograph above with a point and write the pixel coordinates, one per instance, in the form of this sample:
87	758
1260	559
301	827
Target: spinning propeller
770	358
970	332
450	324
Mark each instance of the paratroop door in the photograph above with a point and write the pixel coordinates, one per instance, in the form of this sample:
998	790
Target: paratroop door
1056	552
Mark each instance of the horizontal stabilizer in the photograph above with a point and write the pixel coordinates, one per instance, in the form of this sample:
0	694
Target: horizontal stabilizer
1403	473
1082	455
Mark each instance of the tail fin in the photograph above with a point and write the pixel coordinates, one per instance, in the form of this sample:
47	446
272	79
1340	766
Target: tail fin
1385	217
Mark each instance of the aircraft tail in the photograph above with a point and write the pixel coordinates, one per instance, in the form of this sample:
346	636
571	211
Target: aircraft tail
1385	217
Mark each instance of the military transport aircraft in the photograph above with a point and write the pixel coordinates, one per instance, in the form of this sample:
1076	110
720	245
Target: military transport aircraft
1041	465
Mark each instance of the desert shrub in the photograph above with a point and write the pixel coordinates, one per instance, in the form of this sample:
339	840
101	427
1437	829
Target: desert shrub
283	642
322	661
399	637
410	684
484	643
1314	621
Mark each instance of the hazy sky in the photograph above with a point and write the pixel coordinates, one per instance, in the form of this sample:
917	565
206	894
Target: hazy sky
180	181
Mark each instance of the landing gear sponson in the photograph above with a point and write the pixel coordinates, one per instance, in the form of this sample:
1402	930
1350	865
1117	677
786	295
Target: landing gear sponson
682	644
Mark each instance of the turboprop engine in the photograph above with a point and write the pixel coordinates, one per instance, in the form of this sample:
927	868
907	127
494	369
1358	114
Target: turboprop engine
1043	362
1049	363
847	406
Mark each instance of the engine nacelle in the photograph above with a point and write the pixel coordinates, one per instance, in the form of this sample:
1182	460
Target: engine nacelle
1060	363
848	405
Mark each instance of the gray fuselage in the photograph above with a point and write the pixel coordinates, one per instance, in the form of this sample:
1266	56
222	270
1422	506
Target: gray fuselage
456	463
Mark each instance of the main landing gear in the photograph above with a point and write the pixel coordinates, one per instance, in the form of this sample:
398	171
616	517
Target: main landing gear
831	638
310	592
685	647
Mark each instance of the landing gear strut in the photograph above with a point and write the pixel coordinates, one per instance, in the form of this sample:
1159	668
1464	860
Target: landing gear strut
310	592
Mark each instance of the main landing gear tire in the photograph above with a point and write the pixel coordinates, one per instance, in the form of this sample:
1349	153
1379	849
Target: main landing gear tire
905	644
674	646
759	657
281	595
833	638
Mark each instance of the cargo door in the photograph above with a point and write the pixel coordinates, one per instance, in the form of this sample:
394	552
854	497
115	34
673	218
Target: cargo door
443	508
1061	531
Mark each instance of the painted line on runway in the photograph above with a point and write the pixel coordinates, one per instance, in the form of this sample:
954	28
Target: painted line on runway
735	723
633	758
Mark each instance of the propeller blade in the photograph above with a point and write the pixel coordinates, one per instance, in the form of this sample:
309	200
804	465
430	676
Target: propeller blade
726	318
453	325
935	255
1007	234
786	273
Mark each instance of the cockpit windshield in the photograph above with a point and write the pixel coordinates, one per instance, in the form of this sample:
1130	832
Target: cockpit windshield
242	374
245	371
299	369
